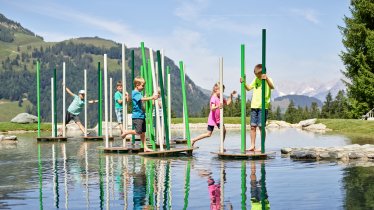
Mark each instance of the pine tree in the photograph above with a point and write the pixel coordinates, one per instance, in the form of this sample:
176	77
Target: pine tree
278	114
327	107
358	39
290	115
314	110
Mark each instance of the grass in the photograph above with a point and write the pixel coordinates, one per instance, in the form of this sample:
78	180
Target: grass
10	109
9	126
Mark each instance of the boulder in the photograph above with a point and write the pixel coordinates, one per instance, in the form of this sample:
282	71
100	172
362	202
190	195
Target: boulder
14	138
315	127
286	150
308	122
24	118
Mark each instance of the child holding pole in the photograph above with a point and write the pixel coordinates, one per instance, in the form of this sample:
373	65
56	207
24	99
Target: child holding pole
256	101
118	103
138	115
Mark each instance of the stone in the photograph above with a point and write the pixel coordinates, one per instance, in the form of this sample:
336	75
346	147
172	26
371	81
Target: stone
308	122
315	127
324	155
355	155
370	155
337	155
24	118
273	126
2	137
10	138
286	150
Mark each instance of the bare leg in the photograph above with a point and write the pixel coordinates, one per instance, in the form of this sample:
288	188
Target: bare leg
259	150
120	127
224	132
202	136
142	138
253	138
127	132
80	126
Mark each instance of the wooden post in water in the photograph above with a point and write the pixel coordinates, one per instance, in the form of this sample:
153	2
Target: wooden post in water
85	103
124	90
164	111
185	107
64	100
106	100
38	94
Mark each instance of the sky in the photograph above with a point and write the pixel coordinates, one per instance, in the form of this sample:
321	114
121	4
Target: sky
303	41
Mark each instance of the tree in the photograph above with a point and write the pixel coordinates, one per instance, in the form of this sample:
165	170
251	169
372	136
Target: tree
278	114
314	110
290	115
358	39
327	107
340	106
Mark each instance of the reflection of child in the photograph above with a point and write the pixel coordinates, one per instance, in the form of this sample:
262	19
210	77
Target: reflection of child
214	115
256	201
214	194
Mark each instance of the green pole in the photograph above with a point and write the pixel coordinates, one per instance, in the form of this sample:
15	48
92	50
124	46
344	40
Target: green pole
40	178
99	112
164	111
38	93
263	132
143	54
187	185
149	92
184	98
132	84
244	185
264	200
152	184
55	101
244	100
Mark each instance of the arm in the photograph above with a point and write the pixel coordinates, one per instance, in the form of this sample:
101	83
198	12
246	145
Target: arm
93	101
69	91
247	87
228	102
266	78
154	97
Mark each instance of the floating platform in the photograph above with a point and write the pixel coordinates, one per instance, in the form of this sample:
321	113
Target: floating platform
97	138
251	155
129	149
51	139
169	153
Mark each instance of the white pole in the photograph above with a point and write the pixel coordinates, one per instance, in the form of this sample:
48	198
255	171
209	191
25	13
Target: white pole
65	176
158	116
184	122
110	106
154	92
85	103
124	103
106	100
163	79
52	108
169	104
63	100
221	102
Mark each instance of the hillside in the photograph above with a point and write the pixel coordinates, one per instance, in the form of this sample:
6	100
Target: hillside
19	53
299	100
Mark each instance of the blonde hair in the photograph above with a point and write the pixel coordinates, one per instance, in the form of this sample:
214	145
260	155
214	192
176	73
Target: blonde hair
216	87
138	81
258	69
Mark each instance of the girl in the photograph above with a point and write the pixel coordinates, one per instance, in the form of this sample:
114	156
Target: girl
214	115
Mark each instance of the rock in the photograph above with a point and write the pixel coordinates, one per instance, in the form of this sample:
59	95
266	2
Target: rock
283	124
324	155
24	118
10	138
315	127
2	137
298	154
308	122
370	155
286	150
355	155
337	155
297	126
273	126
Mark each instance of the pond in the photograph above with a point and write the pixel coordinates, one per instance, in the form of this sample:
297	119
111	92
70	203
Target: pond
75	175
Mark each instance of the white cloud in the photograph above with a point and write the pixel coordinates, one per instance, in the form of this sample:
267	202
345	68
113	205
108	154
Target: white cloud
308	14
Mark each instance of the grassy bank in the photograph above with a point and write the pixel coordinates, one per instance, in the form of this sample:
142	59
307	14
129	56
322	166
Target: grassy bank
8	126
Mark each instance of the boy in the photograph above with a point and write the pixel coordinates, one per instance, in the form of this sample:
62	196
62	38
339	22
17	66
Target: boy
75	108
256	102
138	116
118	104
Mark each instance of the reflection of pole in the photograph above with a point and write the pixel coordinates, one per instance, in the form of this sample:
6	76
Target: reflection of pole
151	183
222	183
107	181
52	109
125	174
40	179
187	184
65	176
244	185
264	199
167	188
101	180
87	189
55	177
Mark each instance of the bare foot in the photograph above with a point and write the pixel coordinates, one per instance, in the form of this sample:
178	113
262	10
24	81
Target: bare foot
251	149
123	135
258	150
193	142
148	150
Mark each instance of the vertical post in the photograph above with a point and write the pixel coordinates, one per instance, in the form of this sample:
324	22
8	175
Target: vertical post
52	109
263	125
55	102
164	111
106	100
124	103
185	108
244	185
243	101
148	75
110	106
132	84
100	104
221	102
85	103
183	111
38	94
169	100
157	108
64	100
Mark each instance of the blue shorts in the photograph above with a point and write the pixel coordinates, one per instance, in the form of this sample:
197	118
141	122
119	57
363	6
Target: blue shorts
256	117
119	115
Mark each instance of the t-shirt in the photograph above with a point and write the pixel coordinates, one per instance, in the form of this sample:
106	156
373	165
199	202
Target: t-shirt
256	102
76	105
214	115
137	105
117	96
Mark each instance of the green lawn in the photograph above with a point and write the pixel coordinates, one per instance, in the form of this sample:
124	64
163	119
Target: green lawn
10	109
8	126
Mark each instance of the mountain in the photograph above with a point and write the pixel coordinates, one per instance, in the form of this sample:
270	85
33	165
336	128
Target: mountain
20	48
299	100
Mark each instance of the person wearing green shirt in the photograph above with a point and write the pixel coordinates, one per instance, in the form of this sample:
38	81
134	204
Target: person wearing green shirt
118	104
256	102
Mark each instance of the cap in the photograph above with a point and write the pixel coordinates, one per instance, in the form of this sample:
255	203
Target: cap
81	92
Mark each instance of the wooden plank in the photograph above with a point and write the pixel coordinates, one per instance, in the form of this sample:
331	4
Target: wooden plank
248	155
96	138
169	153
51	139
180	141
121	149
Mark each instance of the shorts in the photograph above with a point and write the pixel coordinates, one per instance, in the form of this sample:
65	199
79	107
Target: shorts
256	117
69	116
119	115
139	125
211	127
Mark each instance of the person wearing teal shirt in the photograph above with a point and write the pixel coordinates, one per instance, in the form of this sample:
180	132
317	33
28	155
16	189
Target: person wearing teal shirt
256	102
118	103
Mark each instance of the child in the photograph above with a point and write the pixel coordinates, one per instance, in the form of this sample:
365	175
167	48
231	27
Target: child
214	115
138	116
75	108
256	102
118	104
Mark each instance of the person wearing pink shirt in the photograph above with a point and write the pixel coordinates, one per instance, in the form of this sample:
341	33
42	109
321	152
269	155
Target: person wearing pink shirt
214	114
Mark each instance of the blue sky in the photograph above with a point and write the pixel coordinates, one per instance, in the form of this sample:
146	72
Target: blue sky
303	41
